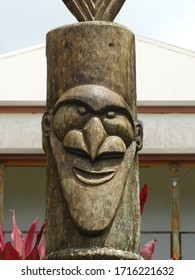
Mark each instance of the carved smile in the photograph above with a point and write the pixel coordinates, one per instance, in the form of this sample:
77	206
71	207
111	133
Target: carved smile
93	177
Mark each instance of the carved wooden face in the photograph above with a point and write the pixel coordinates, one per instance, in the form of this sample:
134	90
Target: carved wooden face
92	137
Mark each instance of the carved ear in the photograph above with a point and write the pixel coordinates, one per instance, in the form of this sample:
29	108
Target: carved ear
46	121
139	135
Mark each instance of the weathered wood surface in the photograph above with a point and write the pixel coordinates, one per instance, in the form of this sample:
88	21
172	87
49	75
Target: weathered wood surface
91	136
91	53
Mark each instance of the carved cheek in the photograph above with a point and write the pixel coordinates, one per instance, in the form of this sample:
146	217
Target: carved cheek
74	141
121	127
112	145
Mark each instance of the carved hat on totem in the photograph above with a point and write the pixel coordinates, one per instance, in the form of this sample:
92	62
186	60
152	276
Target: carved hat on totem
92	53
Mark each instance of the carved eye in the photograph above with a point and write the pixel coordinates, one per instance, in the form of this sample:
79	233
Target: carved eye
82	110
111	115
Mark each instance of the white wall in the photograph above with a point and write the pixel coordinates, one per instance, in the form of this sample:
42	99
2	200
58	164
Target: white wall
20	133
163	133
168	133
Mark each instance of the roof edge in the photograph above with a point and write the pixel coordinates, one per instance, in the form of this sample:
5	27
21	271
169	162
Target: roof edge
21	51
166	103
25	103
165	45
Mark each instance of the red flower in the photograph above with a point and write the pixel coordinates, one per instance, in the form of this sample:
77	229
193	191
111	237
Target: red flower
23	249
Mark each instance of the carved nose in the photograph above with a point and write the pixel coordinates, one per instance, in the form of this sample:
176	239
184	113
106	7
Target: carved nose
94	134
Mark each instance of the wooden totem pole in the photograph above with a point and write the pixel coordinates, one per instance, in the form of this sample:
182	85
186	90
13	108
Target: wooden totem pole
91	136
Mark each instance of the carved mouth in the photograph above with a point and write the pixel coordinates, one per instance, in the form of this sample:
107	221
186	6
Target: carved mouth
93	177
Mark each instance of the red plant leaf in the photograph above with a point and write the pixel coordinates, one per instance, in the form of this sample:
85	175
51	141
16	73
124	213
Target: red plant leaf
17	237
34	255
9	253
42	249
143	197
2	241
30	237
147	250
40	234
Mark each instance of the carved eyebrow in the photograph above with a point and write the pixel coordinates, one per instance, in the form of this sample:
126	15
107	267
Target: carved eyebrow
118	109
104	109
72	102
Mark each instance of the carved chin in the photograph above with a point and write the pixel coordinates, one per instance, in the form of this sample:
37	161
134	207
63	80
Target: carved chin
92	196
93	201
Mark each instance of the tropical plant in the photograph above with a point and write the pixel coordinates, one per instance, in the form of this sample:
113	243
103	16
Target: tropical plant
20	248
23	249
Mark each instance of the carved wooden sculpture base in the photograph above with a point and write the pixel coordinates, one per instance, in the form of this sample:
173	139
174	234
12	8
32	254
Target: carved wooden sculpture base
93	254
91	136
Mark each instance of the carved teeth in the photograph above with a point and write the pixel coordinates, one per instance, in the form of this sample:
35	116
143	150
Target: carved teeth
93	177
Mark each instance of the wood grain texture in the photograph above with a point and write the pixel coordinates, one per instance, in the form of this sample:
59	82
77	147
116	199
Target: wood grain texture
91	209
